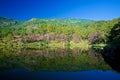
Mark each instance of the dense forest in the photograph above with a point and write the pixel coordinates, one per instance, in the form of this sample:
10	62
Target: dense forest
66	32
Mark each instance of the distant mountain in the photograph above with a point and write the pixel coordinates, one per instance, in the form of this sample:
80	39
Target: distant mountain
4	21
58	21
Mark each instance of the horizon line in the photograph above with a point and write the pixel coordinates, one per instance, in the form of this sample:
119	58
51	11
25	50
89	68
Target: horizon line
60	18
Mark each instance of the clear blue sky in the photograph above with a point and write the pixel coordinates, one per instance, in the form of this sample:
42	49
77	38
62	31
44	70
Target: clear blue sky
85	9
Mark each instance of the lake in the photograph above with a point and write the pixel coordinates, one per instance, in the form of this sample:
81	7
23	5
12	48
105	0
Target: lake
55	64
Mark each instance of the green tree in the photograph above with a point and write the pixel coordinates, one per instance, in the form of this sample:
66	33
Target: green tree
114	37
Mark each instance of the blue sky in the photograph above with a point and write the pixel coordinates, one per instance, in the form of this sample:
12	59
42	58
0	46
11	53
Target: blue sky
85	9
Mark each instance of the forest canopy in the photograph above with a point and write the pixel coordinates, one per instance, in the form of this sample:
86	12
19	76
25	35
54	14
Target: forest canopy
64	30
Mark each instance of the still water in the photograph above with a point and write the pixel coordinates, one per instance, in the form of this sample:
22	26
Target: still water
55	64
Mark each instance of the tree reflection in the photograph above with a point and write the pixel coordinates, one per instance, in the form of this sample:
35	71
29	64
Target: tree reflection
112	57
53	60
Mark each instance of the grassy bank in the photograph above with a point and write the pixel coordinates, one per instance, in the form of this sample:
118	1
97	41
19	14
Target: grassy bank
17	44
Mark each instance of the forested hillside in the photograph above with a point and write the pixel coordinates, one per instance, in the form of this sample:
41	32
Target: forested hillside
43	32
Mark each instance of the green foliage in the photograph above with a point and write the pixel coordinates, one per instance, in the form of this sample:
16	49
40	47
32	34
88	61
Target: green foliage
9	44
35	45
63	30
114	37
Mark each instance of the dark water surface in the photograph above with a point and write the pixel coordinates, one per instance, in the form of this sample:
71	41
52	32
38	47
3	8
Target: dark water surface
22	74
55	64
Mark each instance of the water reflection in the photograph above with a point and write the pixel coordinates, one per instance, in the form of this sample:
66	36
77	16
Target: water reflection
112	56
55	64
53	60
